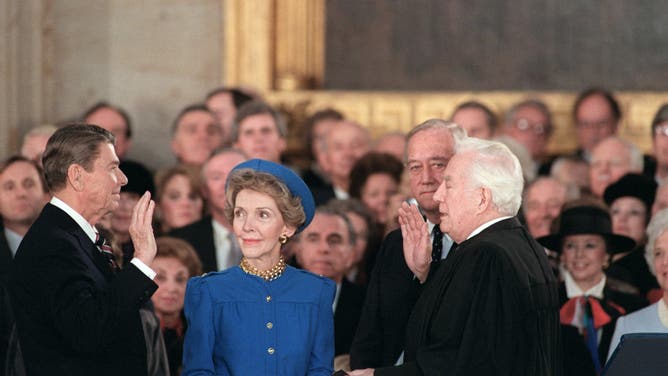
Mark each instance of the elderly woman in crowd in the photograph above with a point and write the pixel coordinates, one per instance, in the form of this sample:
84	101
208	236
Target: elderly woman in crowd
590	302
630	200
262	317
175	262
652	319
374	179
179	198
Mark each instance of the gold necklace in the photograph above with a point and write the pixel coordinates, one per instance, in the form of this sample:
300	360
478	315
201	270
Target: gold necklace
267	275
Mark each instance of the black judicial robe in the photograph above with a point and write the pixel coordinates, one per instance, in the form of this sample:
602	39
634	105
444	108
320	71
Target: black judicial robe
490	309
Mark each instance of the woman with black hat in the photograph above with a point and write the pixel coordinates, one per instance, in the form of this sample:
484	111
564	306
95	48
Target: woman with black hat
262	317
590	303
630	201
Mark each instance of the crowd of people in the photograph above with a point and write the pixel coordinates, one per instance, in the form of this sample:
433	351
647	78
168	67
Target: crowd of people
462	247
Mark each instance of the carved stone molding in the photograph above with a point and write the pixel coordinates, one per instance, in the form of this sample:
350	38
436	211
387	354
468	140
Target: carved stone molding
390	111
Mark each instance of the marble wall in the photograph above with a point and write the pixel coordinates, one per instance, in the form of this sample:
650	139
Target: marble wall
151	57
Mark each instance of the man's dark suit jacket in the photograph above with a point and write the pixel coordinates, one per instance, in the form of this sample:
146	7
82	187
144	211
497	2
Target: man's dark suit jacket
347	315
390	297
492	309
74	315
6	316
5	253
322	190
200	236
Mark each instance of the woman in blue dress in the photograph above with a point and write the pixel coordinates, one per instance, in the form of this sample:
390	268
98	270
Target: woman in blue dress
262	317
652	319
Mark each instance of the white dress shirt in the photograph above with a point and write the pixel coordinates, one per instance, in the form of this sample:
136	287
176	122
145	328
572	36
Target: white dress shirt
92	233
13	240
228	253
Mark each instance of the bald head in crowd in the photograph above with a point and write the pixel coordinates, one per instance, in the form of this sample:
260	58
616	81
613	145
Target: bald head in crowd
611	159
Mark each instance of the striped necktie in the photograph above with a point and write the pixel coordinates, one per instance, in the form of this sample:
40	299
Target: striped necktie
106	251
436	244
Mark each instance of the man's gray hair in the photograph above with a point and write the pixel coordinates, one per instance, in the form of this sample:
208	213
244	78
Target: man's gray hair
636	162
458	133
495	167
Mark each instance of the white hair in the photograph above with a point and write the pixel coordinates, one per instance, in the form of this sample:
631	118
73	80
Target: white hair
657	226
636	162
458	133
495	167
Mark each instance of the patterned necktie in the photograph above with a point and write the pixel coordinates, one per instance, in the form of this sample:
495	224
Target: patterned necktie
436	244
106	251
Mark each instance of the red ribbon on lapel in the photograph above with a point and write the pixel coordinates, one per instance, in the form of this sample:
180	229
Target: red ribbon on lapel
567	313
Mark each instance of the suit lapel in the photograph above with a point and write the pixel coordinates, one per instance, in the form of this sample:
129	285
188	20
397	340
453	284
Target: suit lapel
5	253
86	246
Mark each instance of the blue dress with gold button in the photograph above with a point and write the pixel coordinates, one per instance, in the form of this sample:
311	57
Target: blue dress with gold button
240	324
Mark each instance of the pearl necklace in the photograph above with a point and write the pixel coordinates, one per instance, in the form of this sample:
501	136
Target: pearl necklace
267	275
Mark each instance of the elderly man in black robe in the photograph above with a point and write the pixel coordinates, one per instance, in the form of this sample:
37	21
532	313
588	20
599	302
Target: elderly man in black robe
492	308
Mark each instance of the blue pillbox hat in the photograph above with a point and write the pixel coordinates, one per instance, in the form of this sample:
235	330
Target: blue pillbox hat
291	180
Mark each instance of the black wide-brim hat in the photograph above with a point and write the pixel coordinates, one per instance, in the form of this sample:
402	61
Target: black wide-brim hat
580	220
632	185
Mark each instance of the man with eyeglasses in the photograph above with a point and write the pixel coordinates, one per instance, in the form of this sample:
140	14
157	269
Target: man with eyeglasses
530	123
596	115
659	170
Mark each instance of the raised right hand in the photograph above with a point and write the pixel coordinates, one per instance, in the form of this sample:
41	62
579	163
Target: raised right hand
141	229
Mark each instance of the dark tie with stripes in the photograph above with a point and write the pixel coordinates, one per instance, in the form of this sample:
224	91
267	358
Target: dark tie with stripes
106	251
436	244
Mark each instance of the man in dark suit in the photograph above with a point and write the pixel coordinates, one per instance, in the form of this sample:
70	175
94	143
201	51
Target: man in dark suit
493	308
212	235
76	313
326	247
392	291
316	127
23	194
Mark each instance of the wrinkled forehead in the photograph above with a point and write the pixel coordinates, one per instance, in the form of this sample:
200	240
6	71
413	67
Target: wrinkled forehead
430	144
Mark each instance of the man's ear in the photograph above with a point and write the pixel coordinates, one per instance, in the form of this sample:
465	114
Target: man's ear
485	199
75	177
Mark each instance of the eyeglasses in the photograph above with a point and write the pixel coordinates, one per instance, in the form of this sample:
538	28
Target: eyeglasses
594	124
537	128
661	130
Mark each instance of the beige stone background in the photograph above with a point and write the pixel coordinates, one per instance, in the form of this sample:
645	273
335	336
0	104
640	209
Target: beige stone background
151	57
